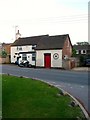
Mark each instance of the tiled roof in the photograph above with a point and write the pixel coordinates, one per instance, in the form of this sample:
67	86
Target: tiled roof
51	42
82	47
27	41
43	42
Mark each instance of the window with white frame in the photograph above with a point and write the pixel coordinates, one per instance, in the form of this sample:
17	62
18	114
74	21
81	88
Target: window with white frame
19	48
33	47
84	51
77	52
33	56
24	56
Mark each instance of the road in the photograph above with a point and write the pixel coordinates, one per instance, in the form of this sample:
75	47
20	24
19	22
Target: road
76	83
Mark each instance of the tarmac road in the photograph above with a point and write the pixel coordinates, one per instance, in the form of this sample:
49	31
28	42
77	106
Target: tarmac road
74	82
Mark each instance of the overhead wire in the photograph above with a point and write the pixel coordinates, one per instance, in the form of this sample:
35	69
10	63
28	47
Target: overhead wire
64	19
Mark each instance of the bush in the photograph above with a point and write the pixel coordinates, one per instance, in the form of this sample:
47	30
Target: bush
82	60
3	54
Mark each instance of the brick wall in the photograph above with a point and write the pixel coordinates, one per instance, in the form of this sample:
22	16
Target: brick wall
6	47
5	60
67	48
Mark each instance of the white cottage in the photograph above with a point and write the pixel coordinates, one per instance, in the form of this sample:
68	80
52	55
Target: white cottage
42	51
51	50
24	49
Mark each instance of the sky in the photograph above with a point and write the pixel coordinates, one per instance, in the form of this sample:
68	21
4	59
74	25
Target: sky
41	17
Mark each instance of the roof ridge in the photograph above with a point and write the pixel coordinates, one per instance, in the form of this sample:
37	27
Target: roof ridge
58	35
33	36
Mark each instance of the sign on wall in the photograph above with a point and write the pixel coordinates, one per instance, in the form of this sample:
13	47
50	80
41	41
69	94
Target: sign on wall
56	56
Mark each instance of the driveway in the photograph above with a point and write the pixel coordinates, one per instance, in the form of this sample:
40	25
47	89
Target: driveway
74	82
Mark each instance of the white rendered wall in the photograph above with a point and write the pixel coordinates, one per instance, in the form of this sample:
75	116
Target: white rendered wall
54	62
29	58
14	50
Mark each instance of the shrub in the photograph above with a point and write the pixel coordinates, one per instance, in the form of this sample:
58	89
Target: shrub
3	54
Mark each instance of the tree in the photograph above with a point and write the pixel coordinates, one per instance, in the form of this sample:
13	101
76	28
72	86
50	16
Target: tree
82	43
3	53
73	52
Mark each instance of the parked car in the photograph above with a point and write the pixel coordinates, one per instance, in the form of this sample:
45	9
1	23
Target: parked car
25	63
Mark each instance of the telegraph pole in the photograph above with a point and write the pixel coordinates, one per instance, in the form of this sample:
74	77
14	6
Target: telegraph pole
89	22
15	31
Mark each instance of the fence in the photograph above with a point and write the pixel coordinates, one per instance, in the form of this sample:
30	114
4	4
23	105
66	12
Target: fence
70	63
5	60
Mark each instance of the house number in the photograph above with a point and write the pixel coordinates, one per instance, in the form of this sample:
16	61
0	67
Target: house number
56	56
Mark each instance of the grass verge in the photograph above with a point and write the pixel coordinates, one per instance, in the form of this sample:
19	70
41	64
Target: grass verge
0	96
27	98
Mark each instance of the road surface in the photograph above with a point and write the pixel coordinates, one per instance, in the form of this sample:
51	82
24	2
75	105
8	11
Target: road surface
76	83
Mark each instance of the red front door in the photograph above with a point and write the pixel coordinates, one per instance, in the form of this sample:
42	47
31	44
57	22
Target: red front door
47	60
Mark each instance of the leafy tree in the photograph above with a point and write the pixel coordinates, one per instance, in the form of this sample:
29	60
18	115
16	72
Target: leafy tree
82	43
73	52
3	53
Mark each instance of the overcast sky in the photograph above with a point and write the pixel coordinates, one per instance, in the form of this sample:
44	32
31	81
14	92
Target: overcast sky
40	17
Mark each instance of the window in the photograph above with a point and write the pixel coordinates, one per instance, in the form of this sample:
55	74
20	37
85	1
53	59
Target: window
24	57
79	51
84	51
16	53
19	48
33	56
33	47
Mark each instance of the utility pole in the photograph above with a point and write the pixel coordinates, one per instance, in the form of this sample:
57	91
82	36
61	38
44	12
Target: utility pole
15	31
89	22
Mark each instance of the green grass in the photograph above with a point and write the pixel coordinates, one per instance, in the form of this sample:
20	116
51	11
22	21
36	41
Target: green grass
0	95
27	98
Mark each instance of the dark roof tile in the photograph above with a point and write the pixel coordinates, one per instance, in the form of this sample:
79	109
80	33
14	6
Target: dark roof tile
43	42
82	47
51	42
27	40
